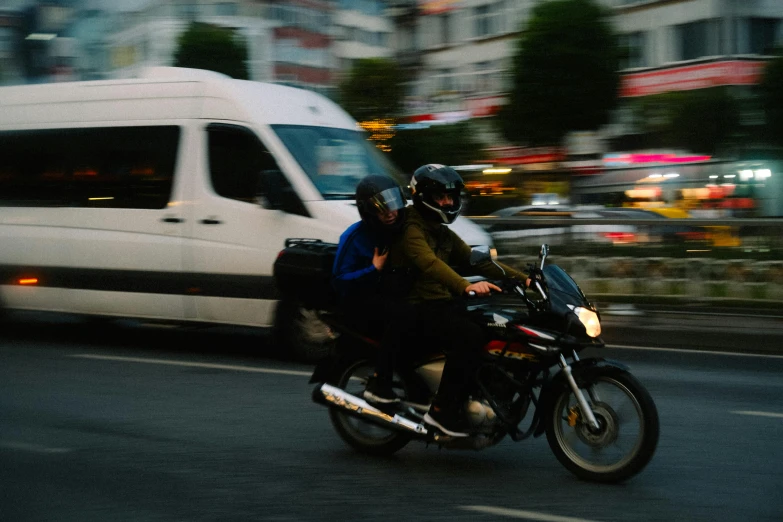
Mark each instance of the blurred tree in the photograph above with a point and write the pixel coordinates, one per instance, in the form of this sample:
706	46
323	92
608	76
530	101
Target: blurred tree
205	46
771	92
705	120
565	73
373	89
454	144
700	121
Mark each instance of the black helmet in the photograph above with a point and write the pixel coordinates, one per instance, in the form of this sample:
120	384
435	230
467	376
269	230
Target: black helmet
376	195
431	180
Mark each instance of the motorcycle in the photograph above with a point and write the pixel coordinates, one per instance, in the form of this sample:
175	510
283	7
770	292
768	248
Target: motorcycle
599	420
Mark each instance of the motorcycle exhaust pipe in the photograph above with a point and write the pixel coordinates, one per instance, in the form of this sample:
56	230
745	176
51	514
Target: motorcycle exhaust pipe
335	397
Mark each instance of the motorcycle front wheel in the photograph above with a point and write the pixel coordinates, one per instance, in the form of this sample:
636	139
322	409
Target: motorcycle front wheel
628	429
364	436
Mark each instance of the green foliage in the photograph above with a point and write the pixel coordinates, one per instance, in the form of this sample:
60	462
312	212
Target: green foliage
565	73
700	121
454	144
373	89
771	92
705	120
204	46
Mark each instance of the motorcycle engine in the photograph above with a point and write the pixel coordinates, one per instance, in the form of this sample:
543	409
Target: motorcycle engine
480	414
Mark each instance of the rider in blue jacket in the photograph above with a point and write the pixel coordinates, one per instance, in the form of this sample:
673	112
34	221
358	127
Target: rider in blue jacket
358	276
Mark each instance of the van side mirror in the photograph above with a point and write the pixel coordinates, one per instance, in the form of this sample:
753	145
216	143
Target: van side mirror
275	192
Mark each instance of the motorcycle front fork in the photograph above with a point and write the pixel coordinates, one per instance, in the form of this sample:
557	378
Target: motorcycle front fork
580	397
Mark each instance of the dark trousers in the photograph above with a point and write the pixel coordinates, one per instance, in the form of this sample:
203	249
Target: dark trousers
391	321
446	322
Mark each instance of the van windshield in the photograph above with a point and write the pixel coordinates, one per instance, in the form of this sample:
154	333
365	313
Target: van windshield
336	159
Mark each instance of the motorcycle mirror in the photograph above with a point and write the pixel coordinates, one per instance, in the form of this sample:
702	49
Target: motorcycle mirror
482	254
543	253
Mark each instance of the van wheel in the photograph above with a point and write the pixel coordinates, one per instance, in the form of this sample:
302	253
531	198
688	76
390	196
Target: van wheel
299	332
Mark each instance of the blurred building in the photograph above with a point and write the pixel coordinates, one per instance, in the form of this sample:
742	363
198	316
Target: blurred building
11	36
45	48
680	45
302	52
361	30
148	36
457	53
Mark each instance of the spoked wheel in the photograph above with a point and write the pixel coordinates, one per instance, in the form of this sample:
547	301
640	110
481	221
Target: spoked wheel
627	434
362	435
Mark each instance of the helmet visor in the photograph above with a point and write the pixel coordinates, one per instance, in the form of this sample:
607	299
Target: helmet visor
388	200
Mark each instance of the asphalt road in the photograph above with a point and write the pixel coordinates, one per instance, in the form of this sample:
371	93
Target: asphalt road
103	422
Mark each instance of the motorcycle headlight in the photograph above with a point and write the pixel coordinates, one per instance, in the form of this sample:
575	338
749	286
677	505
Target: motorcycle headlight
590	321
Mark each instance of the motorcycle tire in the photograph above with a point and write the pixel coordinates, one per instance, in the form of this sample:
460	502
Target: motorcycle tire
612	393
361	435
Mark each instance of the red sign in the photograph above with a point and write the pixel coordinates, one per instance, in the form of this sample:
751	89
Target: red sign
488	106
525	155
691	77
428	7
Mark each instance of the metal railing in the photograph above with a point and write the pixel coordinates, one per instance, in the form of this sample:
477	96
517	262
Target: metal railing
647	259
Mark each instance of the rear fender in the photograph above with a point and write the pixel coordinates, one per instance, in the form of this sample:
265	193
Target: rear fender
582	370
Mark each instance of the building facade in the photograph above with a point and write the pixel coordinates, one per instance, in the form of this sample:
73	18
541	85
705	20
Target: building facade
149	36
11	34
460	51
361	30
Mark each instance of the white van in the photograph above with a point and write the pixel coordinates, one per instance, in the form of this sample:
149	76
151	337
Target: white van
168	197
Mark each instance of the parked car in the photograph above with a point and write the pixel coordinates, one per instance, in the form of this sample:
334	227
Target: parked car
560	229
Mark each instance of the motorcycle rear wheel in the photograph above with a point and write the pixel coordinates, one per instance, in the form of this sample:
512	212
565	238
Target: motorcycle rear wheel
364	436
628	433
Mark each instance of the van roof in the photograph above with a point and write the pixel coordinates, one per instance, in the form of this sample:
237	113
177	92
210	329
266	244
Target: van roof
165	93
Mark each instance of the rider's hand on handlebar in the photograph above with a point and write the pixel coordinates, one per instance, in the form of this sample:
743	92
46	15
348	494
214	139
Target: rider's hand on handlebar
536	275
482	288
379	259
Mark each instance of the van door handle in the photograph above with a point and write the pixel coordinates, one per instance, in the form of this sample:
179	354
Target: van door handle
210	221
172	220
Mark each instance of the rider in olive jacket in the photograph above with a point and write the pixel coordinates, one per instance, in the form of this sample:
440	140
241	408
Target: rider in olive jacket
432	250
428	249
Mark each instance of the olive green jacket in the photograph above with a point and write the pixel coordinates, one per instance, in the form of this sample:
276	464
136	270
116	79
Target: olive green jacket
430	250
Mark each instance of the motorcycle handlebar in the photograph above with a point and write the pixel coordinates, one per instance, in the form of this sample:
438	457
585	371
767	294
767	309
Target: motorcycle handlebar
511	285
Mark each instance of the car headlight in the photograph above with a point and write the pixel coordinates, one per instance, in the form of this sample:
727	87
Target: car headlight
590	321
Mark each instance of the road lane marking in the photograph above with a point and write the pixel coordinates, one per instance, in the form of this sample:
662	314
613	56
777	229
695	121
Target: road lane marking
527	515
689	350
759	414
230	367
35	448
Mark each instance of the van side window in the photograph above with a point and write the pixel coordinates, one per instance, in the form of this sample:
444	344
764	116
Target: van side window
111	167
236	159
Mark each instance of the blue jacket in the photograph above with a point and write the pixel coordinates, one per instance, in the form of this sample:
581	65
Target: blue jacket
353	274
